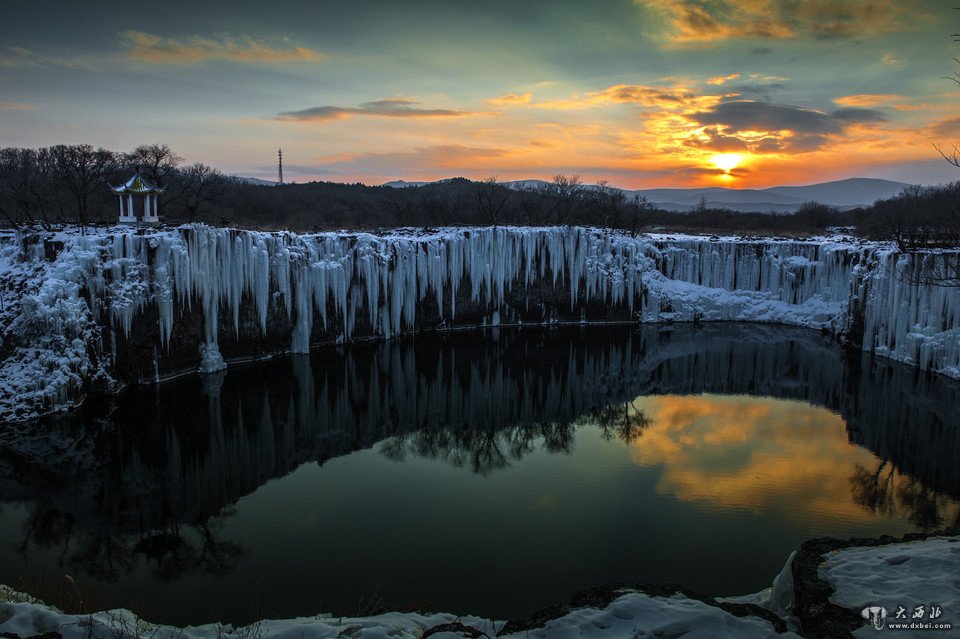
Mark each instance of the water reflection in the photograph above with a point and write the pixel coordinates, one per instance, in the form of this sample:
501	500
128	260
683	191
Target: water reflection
146	488
750	453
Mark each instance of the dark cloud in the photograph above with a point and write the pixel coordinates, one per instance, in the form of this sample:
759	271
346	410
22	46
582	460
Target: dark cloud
797	143
761	51
390	108
781	128
716	141
856	115
949	129
744	115
701	171
761	90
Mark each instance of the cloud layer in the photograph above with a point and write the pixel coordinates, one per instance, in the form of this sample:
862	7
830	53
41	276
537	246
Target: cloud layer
194	48
387	108
706	21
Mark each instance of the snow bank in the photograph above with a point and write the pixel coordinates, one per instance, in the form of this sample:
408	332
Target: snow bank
917	577
70	313
633	614
894	576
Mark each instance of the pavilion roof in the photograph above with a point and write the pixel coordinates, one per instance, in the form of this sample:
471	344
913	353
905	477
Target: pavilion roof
137	184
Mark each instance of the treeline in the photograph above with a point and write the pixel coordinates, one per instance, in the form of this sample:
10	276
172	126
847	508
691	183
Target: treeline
917	217
565	200
68	184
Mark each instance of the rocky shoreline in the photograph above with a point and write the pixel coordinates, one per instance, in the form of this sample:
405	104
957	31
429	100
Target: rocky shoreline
802	602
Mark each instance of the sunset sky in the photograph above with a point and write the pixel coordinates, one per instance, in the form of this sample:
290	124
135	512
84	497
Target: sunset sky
746	93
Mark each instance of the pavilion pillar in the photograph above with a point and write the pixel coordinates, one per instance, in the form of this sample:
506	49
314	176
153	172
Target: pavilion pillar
130	209
120	198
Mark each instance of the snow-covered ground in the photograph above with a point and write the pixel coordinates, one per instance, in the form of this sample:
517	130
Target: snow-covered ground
889	576
63	316
916	583
631	614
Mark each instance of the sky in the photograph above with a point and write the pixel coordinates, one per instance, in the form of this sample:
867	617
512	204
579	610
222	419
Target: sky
642	93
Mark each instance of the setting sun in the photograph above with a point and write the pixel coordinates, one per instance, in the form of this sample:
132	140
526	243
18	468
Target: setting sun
727	161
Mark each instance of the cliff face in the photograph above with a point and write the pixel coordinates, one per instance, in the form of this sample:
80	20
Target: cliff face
95	312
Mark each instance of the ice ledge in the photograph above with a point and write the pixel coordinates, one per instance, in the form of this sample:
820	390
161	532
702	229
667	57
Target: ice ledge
170	295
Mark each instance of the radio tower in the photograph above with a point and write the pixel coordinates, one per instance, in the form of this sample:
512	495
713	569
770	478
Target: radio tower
279	167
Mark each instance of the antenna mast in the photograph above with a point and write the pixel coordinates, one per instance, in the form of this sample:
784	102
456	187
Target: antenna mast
279	167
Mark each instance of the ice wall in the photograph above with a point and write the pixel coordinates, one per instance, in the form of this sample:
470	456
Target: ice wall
102	288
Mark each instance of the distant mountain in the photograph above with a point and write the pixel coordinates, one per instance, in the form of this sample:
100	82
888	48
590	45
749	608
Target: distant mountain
843	194
254	181
402	184
851	192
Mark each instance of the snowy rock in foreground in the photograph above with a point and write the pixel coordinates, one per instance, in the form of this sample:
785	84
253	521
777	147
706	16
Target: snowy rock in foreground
912	578
628	614
827	584
101	310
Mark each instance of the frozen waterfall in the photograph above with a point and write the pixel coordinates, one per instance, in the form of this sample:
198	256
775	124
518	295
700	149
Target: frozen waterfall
71	301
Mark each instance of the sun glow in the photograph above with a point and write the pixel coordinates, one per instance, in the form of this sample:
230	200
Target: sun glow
727	161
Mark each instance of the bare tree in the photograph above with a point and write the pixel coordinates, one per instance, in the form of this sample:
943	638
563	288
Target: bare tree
607	203
952	155
436	210
21	195
81	170
196	186
816	214
401	207
491	198
154	161
530	205
566	193
641	214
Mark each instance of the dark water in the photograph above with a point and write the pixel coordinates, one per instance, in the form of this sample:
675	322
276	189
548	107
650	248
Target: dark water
486	474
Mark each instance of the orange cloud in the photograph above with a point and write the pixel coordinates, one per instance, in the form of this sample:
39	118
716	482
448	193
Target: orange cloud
722	79
869	99
666	133
510	100
682	130
697	22
639	94
15	106
192	49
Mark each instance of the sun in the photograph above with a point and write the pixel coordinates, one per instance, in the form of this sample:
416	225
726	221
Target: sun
727	161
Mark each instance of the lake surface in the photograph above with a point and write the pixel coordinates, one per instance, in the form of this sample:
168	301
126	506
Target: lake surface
490	474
